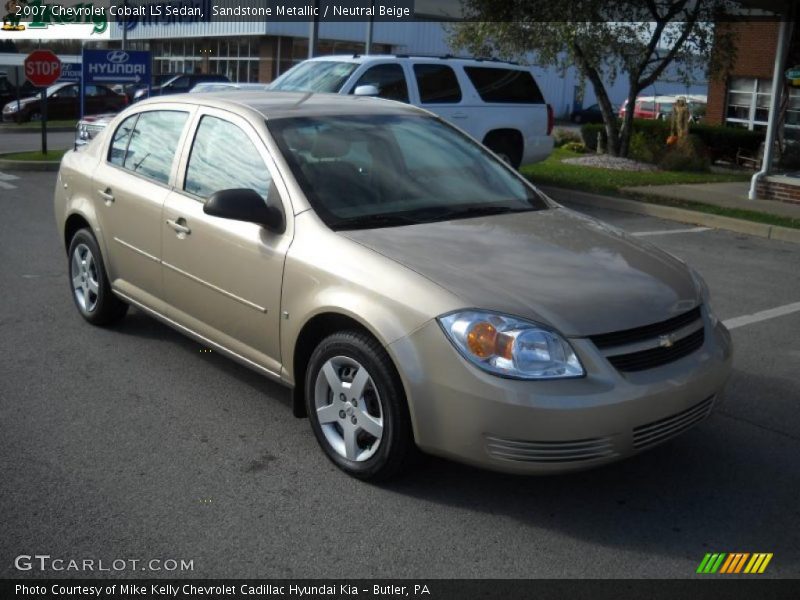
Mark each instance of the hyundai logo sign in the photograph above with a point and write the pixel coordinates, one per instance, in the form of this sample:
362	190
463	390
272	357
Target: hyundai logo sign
117	57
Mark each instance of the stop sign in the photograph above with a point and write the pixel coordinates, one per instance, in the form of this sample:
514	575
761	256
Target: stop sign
42	68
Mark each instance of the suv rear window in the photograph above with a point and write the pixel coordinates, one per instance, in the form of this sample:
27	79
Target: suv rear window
437	84
511	86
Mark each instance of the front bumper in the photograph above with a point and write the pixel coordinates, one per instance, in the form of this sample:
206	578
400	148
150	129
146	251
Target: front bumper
463	413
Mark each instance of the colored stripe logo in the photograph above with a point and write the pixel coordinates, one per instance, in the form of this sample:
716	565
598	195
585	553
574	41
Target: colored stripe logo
734	562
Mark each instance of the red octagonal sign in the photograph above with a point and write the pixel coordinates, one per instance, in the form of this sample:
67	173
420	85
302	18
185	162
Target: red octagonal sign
42	68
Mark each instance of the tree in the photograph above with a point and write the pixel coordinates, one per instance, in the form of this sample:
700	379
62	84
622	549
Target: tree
603	39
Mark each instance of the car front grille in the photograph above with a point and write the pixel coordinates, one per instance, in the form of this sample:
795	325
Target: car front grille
653	345
659	431
550	452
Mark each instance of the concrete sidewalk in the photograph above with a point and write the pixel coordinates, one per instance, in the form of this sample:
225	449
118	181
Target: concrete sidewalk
728	195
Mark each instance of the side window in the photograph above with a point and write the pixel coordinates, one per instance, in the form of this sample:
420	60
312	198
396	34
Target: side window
181	83
513	86
224	158
390	80
153	143
437	84
69	91
119	143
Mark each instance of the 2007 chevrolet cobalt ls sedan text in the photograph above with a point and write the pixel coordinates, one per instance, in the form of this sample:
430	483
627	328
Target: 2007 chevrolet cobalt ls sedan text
412	289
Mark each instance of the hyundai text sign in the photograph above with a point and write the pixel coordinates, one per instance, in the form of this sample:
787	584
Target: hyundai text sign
116	66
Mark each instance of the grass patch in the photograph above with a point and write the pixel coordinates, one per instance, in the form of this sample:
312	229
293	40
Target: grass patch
594	179
35	155
712	209
607	181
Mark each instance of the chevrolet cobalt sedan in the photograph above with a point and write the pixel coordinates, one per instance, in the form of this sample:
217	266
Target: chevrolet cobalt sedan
413	290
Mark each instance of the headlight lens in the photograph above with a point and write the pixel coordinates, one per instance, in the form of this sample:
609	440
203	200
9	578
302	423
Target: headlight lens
511	347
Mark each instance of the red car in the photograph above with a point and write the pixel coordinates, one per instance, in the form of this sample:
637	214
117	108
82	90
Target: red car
64	102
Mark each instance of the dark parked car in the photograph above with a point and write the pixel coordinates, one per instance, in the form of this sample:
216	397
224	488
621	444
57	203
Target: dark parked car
64	102
590	114
179	84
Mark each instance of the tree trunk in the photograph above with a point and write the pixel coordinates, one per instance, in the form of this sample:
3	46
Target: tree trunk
606	108
627	123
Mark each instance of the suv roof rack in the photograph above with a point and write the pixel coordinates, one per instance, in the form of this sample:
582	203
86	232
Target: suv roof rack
445	57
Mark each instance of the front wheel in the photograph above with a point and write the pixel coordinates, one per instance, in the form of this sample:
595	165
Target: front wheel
89	284
357	407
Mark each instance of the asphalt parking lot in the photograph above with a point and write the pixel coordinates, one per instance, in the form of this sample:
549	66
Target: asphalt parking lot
133	443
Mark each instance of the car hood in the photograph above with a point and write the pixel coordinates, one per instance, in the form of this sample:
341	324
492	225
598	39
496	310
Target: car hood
553	266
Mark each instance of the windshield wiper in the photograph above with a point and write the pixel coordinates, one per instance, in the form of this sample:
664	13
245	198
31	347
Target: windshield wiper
375	221
467	212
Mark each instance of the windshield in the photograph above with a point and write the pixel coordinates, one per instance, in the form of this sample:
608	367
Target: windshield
314	76
387	170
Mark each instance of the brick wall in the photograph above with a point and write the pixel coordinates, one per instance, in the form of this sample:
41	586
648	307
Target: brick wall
755	57
772	188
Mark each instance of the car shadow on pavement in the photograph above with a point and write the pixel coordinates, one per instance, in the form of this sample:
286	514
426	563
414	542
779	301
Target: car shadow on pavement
726	485
139	324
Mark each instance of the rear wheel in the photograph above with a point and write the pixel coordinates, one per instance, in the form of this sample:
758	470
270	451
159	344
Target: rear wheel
357	407
90	288
506	147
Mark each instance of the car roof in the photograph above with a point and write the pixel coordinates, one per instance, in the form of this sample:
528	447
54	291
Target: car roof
278	105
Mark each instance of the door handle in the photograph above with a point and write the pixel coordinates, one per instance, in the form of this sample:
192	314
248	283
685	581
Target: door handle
459	115
179	226
106	195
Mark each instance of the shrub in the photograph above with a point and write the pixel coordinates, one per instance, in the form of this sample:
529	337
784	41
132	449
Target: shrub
578	147
645	148
564	136
687	154
722	142
589	133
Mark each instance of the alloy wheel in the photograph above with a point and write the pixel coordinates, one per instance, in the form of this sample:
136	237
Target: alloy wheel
348	408
83	271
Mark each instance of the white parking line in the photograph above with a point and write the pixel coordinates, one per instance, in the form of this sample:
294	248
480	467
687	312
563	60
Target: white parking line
669	231
4	178
770	313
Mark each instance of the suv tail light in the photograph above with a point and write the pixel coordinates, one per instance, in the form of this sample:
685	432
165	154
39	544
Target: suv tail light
551	119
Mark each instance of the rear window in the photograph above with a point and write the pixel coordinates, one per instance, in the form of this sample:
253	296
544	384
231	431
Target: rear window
437	84
510	86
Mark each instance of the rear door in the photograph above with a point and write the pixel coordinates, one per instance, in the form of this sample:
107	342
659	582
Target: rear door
438	89
222	278
131	185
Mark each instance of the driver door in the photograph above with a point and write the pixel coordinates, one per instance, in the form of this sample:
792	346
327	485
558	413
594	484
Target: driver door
222	278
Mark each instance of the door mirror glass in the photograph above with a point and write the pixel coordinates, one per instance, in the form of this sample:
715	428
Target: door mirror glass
242	204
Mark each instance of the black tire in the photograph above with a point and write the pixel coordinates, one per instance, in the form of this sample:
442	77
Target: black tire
396	449
35	116
506	149
577	119
104	308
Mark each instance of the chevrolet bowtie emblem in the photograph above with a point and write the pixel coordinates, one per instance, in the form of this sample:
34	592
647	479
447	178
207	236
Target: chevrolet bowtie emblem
666	341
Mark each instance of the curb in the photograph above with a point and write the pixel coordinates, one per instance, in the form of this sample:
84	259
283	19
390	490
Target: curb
29	165
37	130
672	213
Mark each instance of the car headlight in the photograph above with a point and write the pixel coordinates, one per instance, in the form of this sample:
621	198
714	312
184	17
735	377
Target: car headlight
510	347
705	294
11	107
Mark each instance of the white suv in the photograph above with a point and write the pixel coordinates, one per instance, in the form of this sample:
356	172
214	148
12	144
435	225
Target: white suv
497	103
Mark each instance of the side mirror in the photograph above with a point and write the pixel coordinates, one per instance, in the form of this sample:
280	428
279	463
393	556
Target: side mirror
246	205
366	90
